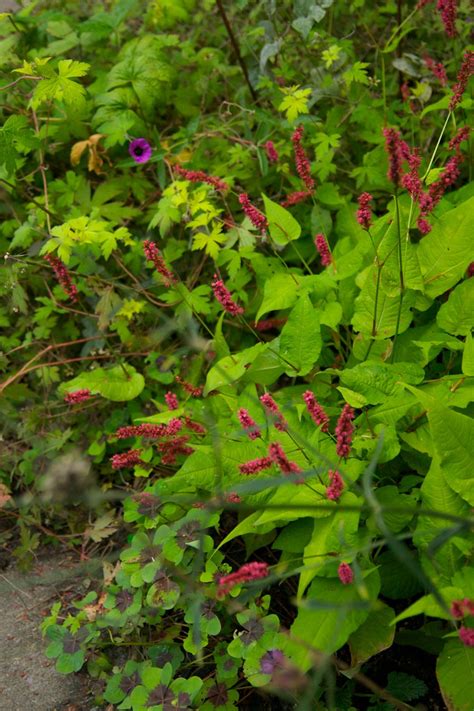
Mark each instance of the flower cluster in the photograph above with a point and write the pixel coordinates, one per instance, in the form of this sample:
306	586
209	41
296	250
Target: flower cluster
272	409
344	431
411	179
126	459
467	69
224	297
316	411
461	135
194	426
345	573
271	152
152	254
322	246
269	323
296	197
256	217
149	430
394	147
364	213
193	390
303	166
461	608
77	396
448	11
336	486
171	401
428	200
466	635
256	465
197	176
246	573
140	150
278	457
172	448
251	428
437	69
63	276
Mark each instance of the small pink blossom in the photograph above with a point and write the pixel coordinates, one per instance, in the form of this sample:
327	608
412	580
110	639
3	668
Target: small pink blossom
448	11
62	275
322	246
272	409
461	136
423	225
317	413
437	69
224	297
467	69
245	574
303	166
197	176
77	396
152	254
345	573
462	608
126	459
271	152
296	197
256	465
233	498
278	457
466	635
171	401
251	428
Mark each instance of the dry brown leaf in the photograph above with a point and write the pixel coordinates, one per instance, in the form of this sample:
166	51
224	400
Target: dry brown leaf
77	150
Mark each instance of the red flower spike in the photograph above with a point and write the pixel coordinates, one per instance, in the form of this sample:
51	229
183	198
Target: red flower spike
256	217
272	409
467	69
224	297
278	457
171	401
344	431
296	197
245	574
466	635
251	428
336	486
364	213
394	147
197	176
322	246
256	465
461	135
126	459
316	411
152	254
448	11
63	276
271	152
437	69
303	166
345	573
77	396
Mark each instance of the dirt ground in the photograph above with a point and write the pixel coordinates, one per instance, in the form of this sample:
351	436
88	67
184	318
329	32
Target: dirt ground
28	680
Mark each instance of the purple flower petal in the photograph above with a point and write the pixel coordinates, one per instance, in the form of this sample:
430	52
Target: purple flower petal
140	150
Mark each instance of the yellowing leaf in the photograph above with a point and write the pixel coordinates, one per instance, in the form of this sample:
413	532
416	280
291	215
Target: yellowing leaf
295	102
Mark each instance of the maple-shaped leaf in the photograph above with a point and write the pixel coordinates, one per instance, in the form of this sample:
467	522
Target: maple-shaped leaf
211	242
295	102
60	86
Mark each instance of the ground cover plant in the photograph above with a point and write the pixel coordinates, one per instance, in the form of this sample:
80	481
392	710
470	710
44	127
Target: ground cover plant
236	351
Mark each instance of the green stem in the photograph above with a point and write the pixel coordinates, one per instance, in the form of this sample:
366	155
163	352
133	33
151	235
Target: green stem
402	282
436	147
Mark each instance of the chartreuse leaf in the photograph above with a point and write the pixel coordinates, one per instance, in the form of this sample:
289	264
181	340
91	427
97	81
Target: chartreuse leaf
445	253
453	435
468	356
334	611
118	384
59	86
300	340
456	316
373	636
282	225
231	368
455	672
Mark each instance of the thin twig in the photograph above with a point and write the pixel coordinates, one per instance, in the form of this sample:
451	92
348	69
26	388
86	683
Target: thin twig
236	47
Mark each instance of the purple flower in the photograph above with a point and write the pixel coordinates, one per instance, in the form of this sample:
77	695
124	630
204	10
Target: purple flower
270	660
140	150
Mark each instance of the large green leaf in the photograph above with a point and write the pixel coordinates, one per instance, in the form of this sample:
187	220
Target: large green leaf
282	225
333	613
455	672
456	316
300	341
118	384
229	369
378	381
468	356
373	636
445	253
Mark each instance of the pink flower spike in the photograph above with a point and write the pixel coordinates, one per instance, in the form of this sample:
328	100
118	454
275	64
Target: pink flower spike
77	396
278	457
251	428
197	176
296	197
271	152
256	465
467	69
316	411
336	486
272	409
345	573
364	213
466	635
245	574
62	275
171	401
303	166
256	217
423	225
322	246
344	431
152	254
393	146
448	11
461	136
233	498
224	297
437	69
126	459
